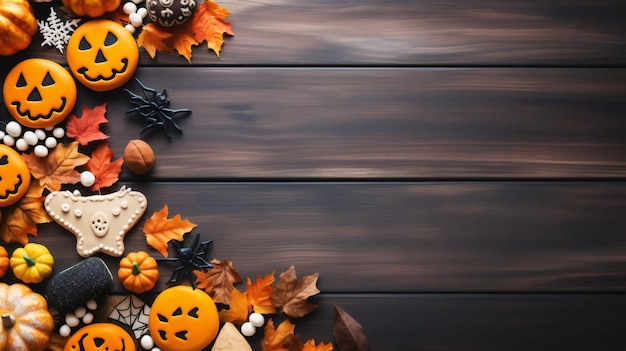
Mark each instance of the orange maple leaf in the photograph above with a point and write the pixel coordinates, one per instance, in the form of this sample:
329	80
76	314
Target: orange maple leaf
238	308
106	172
310	346
273	338
86	128
260	293
208	24
290	294
218	281
58	167
159	229
153	39
21	219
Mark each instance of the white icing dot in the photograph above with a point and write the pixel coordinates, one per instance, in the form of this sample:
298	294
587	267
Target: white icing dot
130	28
124	205
40	133
41	151
91	304
58	132
116	211
21	144
8	140
65	330
146	342
80	312
78	213
248	329
14	129
65	208
135	19
71	320
87	179
142	12
51	142
88	318
30	137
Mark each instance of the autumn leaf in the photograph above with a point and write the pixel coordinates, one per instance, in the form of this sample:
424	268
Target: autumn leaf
106	172
21	219
348	333
86	128
153	39
290	294
310	346
159	229
218	281
260	293
209	25
58	167
273	338
238	309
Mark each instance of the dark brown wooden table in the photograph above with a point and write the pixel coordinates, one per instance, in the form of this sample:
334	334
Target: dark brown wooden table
454	170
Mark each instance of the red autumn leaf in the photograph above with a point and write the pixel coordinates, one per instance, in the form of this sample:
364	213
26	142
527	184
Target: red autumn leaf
86	128
159	229
21	219
106	172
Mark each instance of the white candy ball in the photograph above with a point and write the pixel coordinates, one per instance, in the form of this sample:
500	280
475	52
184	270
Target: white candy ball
146	342
248	329
2	134
8	140
80	312
87	179
31	137
130	28
92	304
41	151
256	319
142	12
14	129
58	132
129	8
135	19
51	142
88	318
21	144
156	349
65	330
71	320
40	133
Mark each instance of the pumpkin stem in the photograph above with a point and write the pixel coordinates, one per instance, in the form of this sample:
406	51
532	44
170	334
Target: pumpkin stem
8	320
30	261
136	268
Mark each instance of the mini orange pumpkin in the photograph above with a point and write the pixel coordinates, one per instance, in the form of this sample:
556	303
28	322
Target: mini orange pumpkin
138	272
39	93
183	319
14	176
17	26
4	261
100	337
92	8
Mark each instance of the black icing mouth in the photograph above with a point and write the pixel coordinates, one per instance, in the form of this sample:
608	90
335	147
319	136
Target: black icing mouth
83	72
14	191
26	113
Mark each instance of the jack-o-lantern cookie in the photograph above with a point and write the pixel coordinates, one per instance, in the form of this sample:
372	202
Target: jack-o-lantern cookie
183	319
102	55
14	176
39	93
100	337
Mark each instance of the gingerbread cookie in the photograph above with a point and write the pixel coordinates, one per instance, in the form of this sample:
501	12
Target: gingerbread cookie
99	222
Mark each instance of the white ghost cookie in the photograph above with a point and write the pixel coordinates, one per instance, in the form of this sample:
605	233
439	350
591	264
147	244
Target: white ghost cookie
99	222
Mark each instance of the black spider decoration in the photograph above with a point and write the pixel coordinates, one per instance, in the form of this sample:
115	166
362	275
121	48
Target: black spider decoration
189	258
154	108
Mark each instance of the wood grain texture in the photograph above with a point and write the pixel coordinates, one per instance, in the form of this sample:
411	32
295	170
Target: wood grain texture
450	32
400	237
279	123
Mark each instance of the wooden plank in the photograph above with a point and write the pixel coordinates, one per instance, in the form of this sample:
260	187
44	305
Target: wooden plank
381	123
400	237
450	32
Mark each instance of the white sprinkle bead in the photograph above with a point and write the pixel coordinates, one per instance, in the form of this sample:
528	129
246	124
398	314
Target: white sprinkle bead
14	129
88	318
256	319
129	8
8	140
58	132
71	320
87	179
51	142
80	312
146	342
91	304
248	329
130	28
2	134
65	330
142	12
30	137
41	151
135	19
156	349
40	133
21	144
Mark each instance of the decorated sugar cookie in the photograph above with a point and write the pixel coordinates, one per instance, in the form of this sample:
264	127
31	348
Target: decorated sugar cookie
100	337
39	93
14	176
102	55
99	222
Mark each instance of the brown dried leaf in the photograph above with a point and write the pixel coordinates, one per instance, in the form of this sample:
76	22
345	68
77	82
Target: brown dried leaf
290	294
218	281
348	332
58	167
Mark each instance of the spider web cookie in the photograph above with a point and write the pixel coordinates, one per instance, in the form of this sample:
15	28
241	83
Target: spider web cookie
99	222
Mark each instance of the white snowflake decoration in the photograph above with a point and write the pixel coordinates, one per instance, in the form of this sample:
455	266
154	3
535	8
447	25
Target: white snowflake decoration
56	33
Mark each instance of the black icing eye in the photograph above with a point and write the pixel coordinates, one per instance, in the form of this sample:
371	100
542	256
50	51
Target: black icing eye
98	342
47	80
21	81
4	160
84	44
110	39
162	318
193	313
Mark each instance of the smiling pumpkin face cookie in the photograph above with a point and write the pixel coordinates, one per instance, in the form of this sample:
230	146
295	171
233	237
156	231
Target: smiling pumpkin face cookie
14	176
102	55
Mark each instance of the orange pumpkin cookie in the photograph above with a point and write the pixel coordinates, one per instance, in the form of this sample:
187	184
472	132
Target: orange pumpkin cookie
14	176
100	337
102	55
183	319
39	93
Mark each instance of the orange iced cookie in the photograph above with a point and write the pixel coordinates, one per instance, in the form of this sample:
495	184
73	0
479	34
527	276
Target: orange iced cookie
14	176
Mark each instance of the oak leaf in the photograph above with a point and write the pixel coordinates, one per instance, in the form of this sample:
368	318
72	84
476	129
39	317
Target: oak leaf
218	281
58	167
106	172
348	333
260	294
159	229
21	219
274	338
310	346
238	310
86	128
290	294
